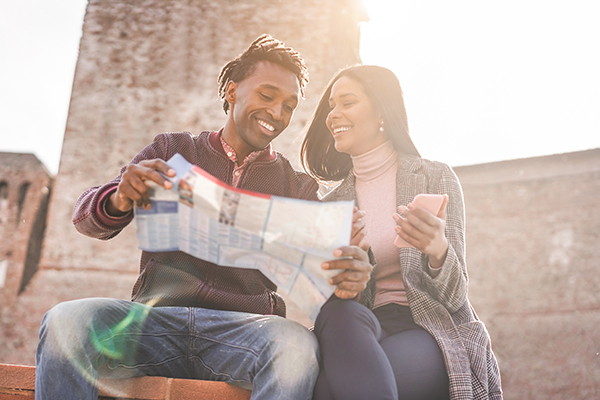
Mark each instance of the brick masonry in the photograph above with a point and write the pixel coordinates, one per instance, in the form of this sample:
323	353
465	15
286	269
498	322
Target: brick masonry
17	382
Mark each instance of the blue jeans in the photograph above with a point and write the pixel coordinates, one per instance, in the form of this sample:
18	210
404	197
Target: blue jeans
83	339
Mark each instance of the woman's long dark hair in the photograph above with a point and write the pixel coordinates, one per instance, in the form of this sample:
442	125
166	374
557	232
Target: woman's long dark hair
318	154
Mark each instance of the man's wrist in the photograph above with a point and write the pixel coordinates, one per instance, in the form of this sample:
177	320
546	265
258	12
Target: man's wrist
110	208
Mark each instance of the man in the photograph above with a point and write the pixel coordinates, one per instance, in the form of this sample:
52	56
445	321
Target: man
190	318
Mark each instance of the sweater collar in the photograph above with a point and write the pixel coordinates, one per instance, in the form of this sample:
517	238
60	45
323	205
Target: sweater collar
267	154
376	162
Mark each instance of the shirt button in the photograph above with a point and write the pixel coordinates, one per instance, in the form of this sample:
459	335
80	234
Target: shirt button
229	154
237	173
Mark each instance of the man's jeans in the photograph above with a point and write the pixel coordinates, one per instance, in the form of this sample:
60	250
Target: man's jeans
79	340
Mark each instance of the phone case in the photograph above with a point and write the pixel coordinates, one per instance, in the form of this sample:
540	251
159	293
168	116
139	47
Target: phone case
431	203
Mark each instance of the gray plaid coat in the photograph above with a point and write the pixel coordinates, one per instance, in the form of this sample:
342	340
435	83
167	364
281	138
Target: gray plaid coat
440	305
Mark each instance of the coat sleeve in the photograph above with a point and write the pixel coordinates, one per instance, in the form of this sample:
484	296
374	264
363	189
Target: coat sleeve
90	217
451	285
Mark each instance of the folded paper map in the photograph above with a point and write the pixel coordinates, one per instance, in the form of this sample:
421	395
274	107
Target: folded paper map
286	239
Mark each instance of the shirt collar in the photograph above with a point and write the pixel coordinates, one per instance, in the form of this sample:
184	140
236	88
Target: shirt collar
264	154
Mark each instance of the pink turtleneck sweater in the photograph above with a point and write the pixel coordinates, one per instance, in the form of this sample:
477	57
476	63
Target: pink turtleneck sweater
375	173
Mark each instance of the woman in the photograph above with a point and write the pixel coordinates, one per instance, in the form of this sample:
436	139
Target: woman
412	334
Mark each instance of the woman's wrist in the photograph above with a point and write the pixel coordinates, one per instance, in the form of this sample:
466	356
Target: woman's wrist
437	261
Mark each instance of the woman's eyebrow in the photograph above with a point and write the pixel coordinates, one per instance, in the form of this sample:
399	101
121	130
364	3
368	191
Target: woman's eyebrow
345	95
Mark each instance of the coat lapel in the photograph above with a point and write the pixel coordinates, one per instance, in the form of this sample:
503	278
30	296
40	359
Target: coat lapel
410	181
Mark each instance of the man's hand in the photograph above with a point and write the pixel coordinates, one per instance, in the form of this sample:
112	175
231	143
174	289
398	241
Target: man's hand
424	230
356	271
132	189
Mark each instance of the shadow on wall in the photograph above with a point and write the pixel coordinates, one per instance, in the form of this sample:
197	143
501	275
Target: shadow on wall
25	186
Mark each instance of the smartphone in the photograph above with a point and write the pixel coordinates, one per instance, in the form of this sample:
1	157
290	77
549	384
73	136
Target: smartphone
431	203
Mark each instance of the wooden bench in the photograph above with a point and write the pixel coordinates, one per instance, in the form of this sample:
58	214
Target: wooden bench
17	382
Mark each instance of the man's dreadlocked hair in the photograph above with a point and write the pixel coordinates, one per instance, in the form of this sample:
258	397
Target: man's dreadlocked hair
264	48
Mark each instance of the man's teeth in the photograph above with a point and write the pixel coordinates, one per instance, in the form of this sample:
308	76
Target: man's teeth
341	129
265	125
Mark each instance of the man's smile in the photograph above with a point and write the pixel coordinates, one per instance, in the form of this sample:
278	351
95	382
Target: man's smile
266	125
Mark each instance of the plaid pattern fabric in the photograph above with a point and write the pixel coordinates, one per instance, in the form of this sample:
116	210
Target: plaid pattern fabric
176	278
441	305
232	155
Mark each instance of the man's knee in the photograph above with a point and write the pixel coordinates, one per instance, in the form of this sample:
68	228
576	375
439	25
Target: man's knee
63	316
292	356
70	322
290	342
71	314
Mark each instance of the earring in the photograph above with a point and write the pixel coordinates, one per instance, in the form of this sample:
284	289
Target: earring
381	127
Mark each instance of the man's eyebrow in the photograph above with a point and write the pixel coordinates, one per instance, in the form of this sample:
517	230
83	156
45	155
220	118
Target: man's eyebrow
277	89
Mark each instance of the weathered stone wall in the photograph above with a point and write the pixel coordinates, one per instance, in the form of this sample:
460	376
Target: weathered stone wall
150	66
533	228
146	67
24	192
24	195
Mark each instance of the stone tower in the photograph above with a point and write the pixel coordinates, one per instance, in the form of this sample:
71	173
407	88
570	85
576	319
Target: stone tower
147	67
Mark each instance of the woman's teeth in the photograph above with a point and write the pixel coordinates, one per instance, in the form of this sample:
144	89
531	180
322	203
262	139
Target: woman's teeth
341	129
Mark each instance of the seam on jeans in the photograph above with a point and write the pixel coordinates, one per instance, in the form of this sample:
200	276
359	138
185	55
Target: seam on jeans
134	366
256	354
94	360
191	334
227	344
143	334
220	374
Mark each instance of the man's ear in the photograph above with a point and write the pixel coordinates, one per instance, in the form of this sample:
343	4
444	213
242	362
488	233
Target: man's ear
231	92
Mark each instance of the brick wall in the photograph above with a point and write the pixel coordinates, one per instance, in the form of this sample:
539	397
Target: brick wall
533	256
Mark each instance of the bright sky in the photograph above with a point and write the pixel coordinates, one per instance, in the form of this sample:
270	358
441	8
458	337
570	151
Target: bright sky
492	80
483	80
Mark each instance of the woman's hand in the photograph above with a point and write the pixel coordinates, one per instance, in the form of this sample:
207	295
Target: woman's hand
356	271
424	230
359	235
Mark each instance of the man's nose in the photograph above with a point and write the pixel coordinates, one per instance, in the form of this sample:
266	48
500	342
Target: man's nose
276	111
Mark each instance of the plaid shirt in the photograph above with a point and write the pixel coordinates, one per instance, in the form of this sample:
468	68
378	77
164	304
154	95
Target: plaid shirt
239	169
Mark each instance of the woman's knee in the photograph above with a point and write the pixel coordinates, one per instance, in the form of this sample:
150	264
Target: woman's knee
344	315
418	364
